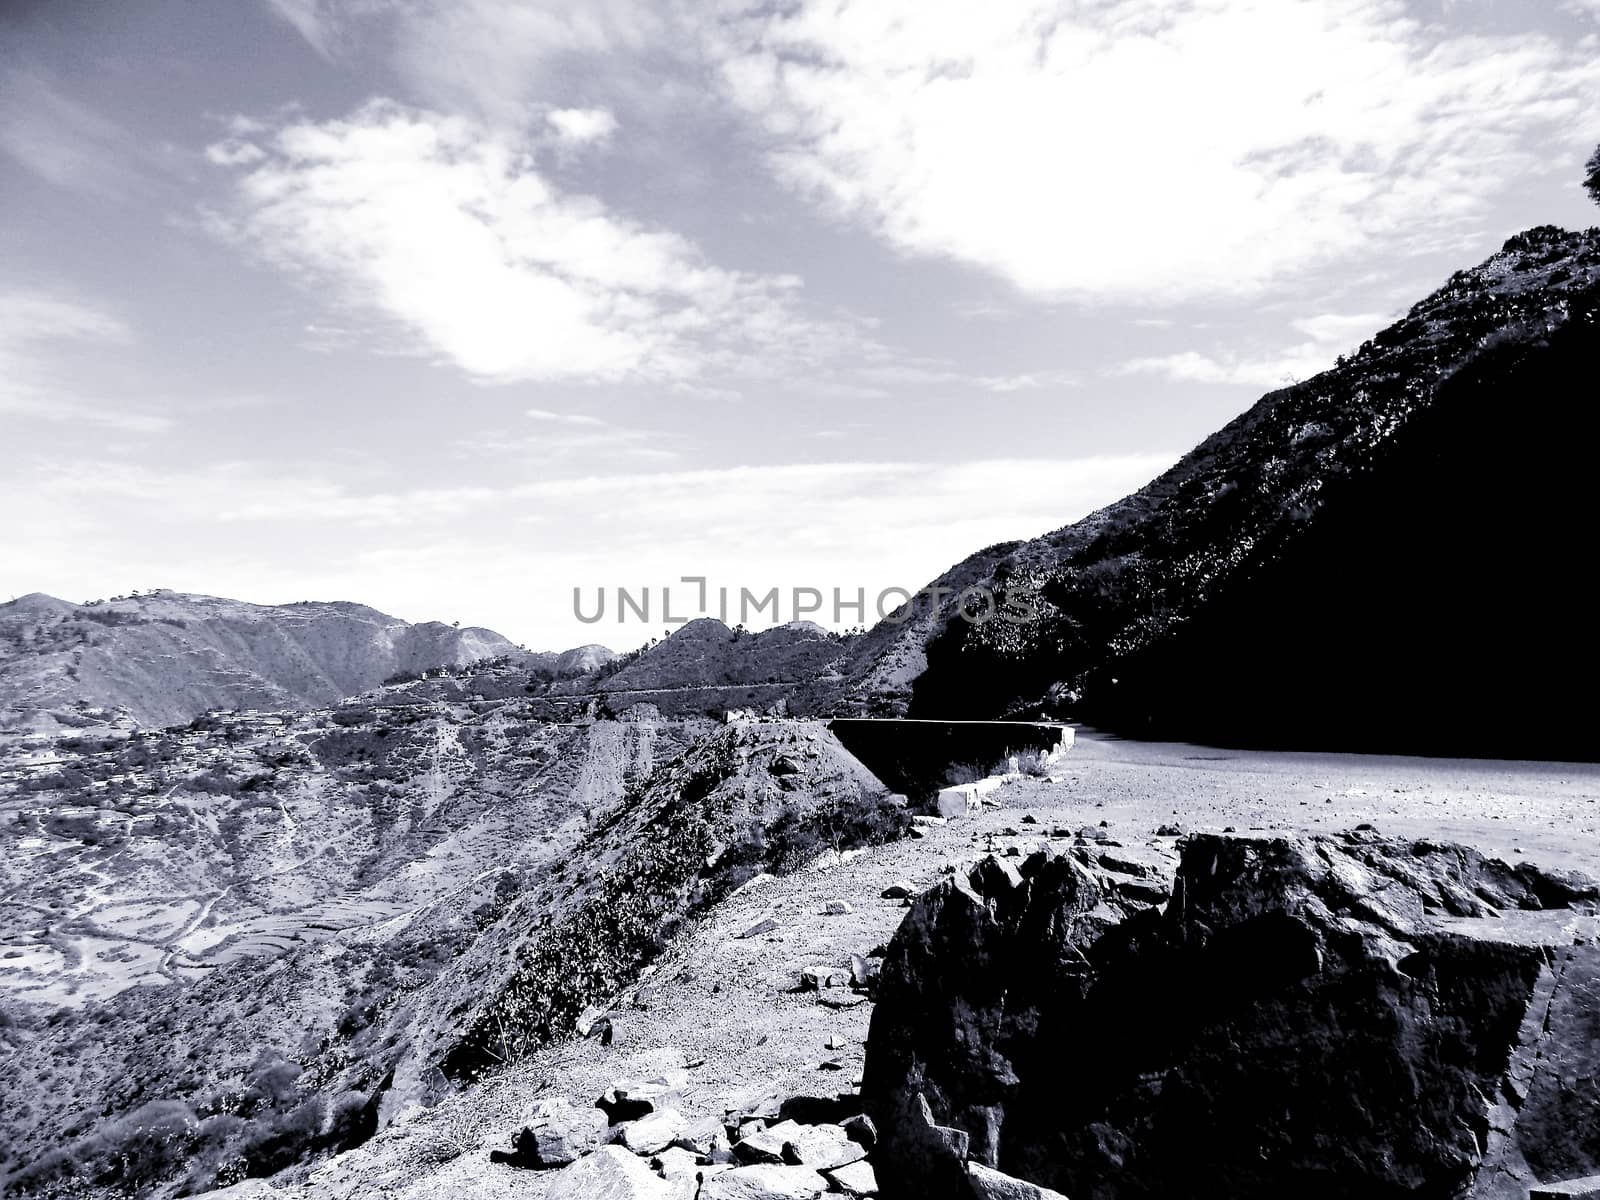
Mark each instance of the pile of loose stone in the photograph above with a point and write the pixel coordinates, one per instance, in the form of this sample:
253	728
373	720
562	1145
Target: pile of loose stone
634	1144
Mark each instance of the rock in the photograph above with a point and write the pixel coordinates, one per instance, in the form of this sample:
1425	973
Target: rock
765	925
1144	891
761	1101
994	877
610	1173
899	890
922	820
864	970
815	979
705	1137
653	1133
860	1130
1041	855
764	1145
630	1099
560	1133
988	1184
1295	1014
839	999
765	1181
819	1146
853	1179
1170	829
684	1171
837	908
1123	866
815	1146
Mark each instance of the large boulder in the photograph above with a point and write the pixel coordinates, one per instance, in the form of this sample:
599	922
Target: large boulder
1322	1017
560	1133
765	1181
610	1173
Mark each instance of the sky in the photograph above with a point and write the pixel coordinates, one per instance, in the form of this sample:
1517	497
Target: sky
453	307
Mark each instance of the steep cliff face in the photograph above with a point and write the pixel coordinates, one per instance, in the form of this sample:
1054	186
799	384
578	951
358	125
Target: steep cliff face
1391	550
167	657
1318	1017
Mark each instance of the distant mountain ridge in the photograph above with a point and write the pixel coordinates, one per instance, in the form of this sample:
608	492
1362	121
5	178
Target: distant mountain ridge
165	657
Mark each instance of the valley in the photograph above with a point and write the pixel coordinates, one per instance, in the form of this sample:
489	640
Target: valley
153	858
729	1005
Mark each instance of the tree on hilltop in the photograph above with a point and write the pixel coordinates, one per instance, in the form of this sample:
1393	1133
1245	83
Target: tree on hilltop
1591	182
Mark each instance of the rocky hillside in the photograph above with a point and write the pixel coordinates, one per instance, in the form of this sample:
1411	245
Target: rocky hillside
166	657
1386	556
371	908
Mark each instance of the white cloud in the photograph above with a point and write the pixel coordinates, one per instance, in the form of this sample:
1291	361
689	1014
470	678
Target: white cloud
1268	372
35	379
425	552
1343	329
544	414
1146	150
498	61
450	230
928	373
582	126
1330	334
562	438
234	153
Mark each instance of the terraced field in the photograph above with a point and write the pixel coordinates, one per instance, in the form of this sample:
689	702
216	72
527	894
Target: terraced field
145	859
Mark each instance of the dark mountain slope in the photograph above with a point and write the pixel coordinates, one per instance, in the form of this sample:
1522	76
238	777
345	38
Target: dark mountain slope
1390	556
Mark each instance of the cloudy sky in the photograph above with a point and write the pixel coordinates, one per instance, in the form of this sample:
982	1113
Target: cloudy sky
451	306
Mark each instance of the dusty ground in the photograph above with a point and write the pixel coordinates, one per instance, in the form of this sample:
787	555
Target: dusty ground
728	1004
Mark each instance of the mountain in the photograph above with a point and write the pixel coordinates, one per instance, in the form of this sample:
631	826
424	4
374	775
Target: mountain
583	660
166	657
706	667
1389	556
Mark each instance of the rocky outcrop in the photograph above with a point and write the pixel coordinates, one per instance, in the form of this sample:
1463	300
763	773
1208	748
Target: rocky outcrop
1320	1017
